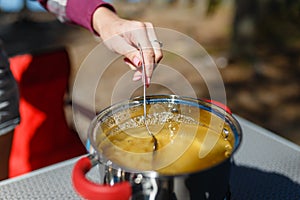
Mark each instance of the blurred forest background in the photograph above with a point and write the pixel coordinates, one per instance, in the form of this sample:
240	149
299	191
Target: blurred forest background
256	45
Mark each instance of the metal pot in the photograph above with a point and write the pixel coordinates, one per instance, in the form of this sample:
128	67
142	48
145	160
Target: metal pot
123	179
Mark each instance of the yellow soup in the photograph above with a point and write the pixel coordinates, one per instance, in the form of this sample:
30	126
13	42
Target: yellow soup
182	147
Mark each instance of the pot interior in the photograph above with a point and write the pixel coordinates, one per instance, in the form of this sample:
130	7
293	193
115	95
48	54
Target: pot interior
192	135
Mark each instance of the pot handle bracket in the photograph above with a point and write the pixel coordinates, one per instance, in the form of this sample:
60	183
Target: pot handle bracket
93	191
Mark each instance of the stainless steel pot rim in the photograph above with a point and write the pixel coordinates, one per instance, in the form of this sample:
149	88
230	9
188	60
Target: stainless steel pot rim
151	99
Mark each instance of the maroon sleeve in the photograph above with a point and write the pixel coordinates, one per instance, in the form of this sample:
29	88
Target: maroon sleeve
81	11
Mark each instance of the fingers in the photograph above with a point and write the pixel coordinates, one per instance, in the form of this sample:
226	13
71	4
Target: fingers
132	57
156	45
137	75
119	45
140	39
152	53
136	34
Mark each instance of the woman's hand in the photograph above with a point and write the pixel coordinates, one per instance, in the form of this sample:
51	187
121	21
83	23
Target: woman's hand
125	36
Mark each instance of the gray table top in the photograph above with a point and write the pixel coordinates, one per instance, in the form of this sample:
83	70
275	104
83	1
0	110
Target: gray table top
266	167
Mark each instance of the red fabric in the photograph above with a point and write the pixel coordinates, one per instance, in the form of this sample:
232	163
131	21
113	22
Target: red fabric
43	136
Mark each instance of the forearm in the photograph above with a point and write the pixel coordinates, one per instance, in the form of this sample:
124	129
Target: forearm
107	19
120	35
79	12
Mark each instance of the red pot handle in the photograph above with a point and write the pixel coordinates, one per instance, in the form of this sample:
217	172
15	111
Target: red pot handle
94	191
221	105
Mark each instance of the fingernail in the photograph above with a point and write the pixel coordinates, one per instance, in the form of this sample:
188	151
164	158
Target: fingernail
132	67
136	78
148	82
136	61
